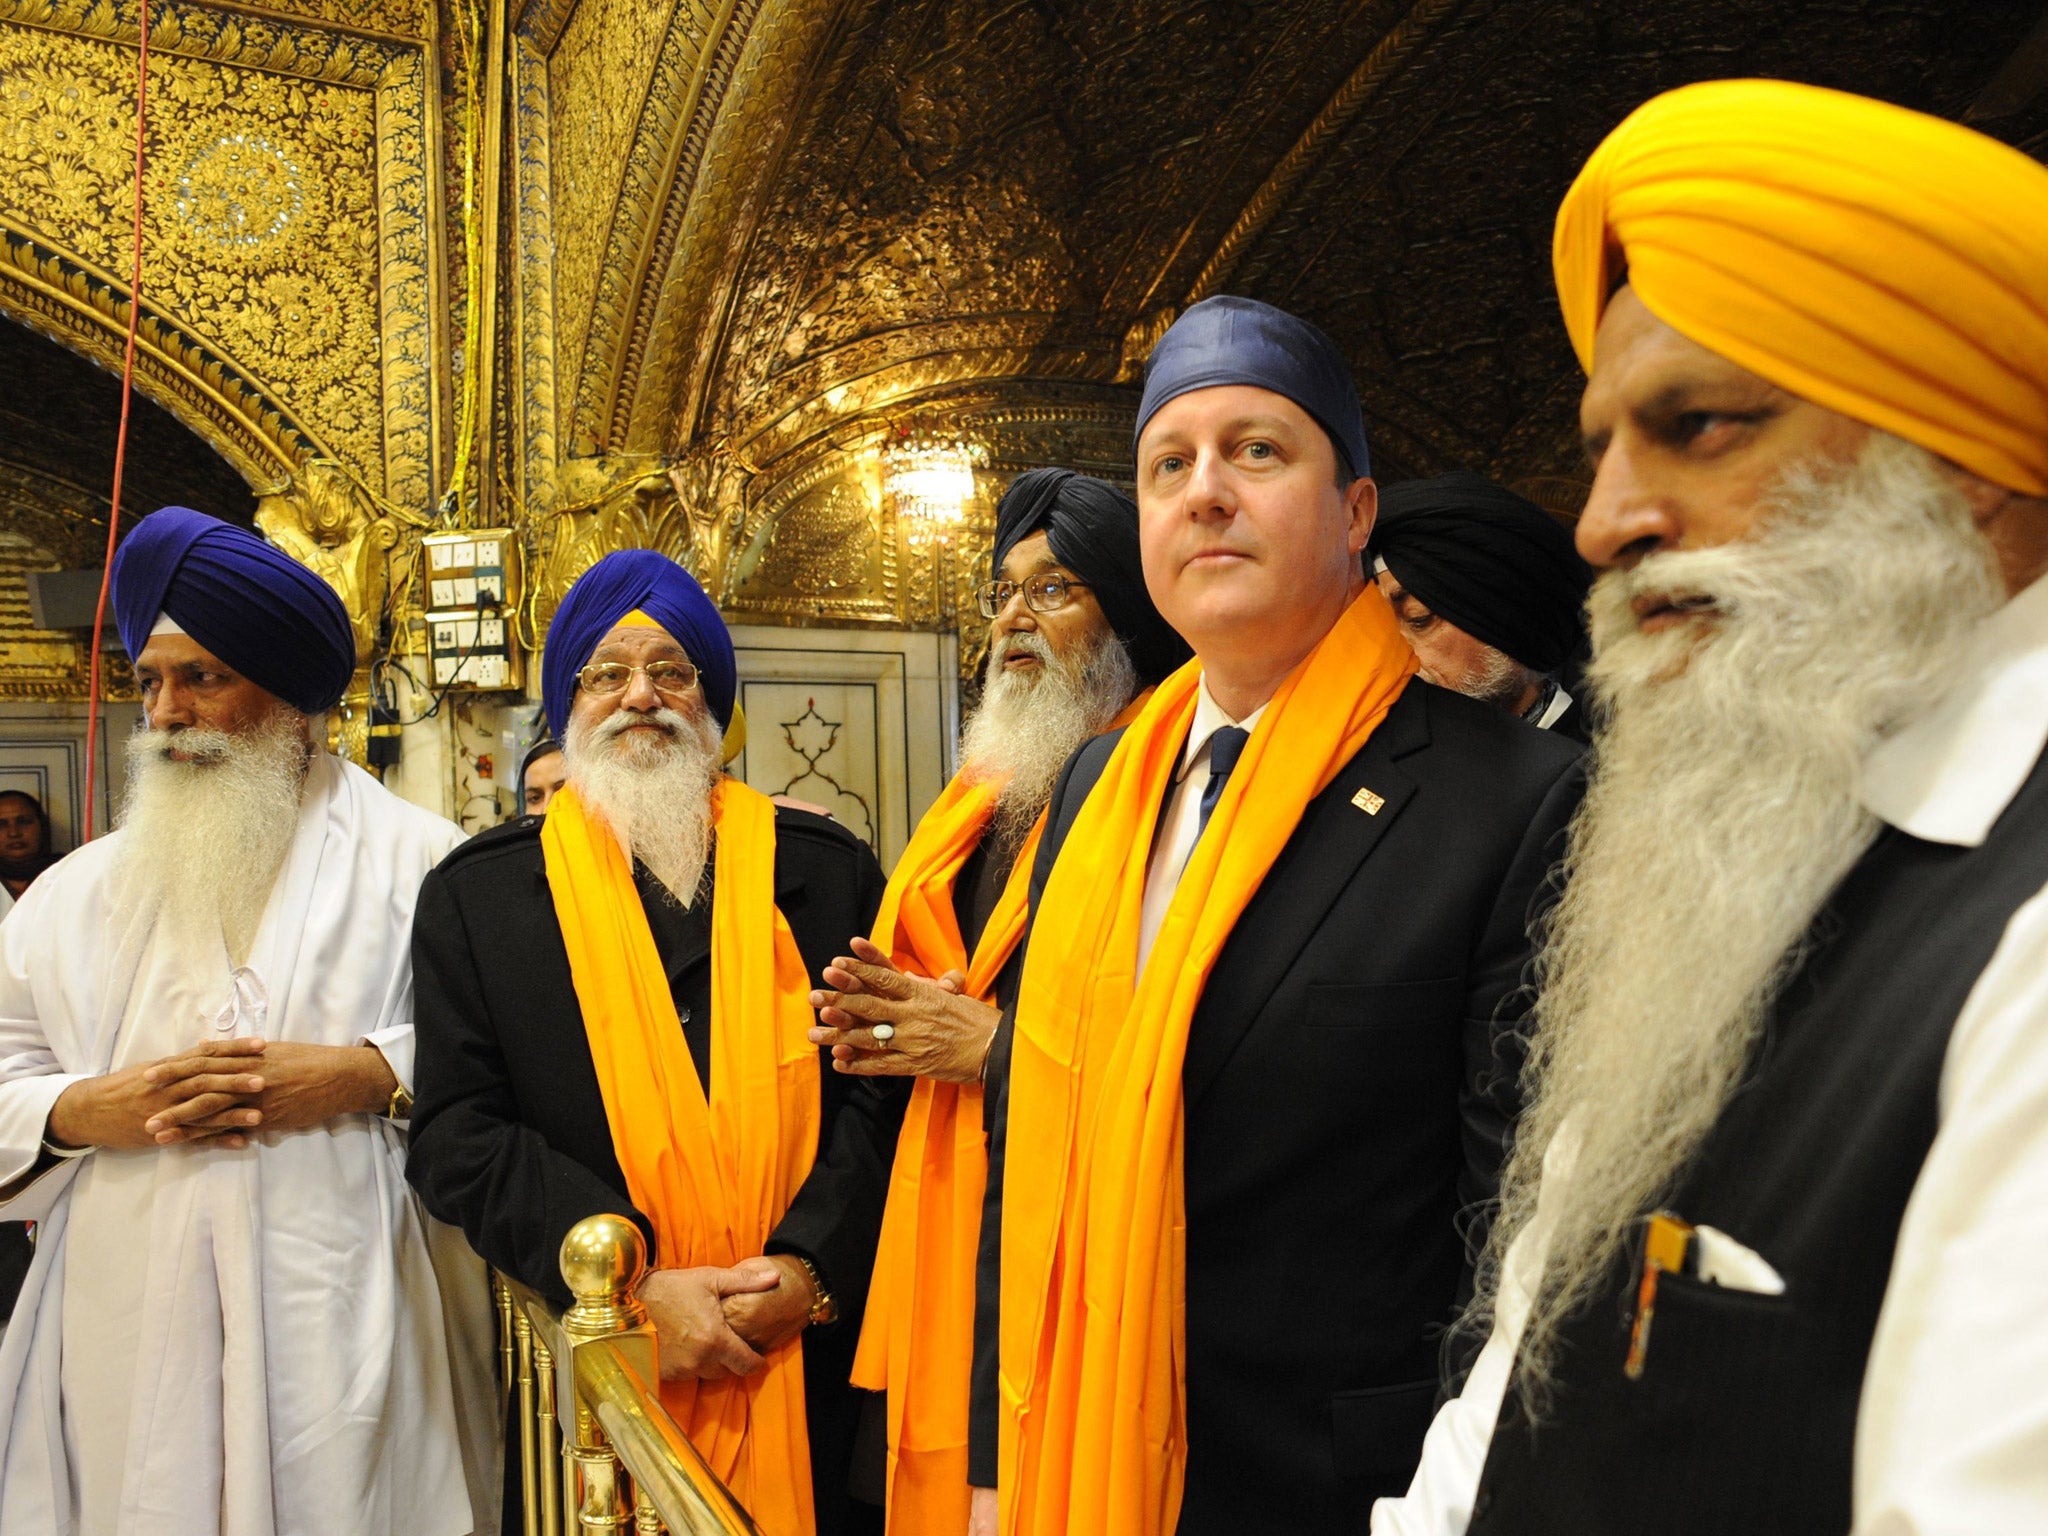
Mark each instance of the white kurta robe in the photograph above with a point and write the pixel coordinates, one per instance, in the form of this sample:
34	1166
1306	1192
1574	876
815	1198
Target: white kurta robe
274	1341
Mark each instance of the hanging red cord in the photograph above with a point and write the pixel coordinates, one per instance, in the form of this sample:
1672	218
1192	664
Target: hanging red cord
99	618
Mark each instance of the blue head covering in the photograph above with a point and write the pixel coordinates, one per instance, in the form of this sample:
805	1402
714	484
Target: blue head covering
625	580
248	602
1228	340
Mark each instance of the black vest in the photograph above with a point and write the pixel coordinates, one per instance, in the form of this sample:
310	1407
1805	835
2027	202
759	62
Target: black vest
1744	1416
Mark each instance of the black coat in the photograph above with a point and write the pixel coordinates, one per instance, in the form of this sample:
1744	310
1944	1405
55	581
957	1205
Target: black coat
510	1140
1349	1083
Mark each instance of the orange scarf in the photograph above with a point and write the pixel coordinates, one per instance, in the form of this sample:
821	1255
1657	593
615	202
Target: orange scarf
918	1337
1094	1426
714	1176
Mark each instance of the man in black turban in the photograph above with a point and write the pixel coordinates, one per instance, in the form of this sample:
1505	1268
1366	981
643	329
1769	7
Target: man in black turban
1075	646
1489	591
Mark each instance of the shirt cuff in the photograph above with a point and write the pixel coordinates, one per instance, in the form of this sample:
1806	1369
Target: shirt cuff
25	1119
396	1046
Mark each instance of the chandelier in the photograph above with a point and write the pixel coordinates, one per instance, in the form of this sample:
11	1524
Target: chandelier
931	481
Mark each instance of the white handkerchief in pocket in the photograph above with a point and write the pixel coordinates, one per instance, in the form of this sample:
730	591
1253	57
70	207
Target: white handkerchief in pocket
1720	1260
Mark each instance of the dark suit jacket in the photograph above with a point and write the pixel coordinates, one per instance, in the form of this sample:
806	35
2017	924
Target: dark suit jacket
509	1136
1349	1084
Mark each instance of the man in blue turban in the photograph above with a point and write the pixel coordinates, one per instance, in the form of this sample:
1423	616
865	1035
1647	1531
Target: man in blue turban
614	1007
210	1054
1293	892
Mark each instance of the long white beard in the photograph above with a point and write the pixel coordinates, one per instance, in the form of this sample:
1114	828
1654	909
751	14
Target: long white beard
1029	723
654	792
204	840
1721	816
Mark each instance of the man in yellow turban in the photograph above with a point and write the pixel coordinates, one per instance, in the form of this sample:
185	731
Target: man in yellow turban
1772	1236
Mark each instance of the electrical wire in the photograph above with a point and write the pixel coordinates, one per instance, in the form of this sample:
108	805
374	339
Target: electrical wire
99	618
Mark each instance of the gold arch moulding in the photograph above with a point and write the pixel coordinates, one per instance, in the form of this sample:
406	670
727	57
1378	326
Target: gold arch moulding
61	299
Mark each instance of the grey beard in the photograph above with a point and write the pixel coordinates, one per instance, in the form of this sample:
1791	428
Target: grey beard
203	841
1028	725
1499	682
653	792
1722	814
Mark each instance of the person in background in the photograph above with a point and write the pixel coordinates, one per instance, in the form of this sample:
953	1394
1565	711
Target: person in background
614	1011
24	854
238	1318
541	776
24	845
1489	592
1771	1247
1075	647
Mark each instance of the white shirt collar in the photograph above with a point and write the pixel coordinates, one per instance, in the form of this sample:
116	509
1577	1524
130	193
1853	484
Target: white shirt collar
1950	773
1210	717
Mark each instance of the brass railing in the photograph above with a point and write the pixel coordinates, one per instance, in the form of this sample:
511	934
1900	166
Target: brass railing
615	1461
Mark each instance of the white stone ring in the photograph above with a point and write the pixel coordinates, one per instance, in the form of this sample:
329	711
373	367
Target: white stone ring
884	1033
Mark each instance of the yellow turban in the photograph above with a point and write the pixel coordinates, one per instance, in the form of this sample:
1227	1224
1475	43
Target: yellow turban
1887	265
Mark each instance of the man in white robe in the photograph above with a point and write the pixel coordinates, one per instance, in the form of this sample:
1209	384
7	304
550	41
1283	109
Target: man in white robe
238	1319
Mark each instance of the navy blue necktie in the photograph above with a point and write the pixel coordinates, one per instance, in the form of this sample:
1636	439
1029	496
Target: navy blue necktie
1225	747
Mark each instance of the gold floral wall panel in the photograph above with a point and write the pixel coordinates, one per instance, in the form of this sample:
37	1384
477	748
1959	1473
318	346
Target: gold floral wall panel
288	245
598	77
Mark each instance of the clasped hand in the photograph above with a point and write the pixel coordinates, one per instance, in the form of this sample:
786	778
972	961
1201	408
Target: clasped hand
712	1323
223	1090
940	1032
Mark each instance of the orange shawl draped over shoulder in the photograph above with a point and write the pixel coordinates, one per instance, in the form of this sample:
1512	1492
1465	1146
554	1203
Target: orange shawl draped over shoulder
714	1176
1094	1429
917	1341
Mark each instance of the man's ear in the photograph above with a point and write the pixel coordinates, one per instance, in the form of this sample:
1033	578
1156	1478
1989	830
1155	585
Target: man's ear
1362	501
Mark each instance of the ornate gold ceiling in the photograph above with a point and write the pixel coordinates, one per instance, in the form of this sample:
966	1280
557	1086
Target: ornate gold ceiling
736	244
777	230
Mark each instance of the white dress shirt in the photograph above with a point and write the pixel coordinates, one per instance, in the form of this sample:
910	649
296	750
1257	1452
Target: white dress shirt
1182	819
1952	1428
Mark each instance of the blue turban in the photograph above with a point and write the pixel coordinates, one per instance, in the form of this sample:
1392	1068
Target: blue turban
1228	340
248	602
625	580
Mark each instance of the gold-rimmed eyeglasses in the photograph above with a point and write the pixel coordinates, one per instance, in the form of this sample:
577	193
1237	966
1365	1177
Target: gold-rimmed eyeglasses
671	679
1042	594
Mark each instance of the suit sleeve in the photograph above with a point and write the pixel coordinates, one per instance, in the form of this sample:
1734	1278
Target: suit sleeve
1500	991
835	1220
474	1164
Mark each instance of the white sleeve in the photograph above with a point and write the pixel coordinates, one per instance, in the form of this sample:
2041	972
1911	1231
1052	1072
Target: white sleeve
395	1043
29	1077
1952	1433
1439	1499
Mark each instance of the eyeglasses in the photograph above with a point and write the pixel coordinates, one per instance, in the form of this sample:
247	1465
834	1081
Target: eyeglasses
1042	594
671	679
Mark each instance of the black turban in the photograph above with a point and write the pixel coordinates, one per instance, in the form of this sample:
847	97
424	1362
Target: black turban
1092	528
1478	556
1228	340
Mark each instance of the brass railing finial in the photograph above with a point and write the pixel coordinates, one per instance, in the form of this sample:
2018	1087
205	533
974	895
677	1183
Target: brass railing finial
602	1260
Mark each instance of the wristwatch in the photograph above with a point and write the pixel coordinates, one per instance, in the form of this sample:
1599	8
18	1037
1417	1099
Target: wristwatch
400	1107
824	1307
